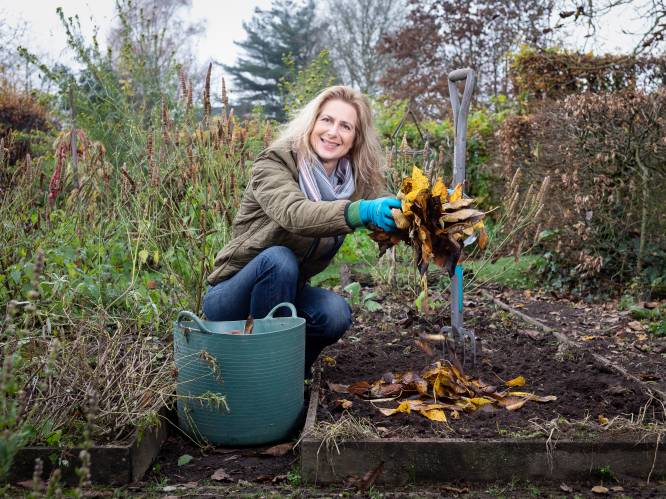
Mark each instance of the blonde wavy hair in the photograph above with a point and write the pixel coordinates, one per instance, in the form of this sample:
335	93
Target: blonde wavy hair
366	153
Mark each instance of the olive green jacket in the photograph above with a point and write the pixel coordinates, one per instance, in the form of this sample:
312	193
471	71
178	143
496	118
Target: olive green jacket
275	212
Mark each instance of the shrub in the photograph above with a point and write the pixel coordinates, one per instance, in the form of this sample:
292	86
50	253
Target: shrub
606	153
538	74
23	122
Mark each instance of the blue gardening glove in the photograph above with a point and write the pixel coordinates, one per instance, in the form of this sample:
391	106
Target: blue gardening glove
373	212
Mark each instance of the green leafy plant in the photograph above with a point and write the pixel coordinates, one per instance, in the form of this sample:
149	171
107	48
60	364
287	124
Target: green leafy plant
360	298
294	476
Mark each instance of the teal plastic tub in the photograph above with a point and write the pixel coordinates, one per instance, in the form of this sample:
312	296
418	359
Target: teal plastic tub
236	389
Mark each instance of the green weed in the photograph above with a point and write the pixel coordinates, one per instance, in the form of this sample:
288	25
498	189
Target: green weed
294	476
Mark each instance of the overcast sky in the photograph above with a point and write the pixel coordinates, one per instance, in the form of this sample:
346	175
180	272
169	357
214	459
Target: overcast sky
223	20
224	25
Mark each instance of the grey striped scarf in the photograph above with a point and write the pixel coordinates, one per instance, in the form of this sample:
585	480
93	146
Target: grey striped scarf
318	186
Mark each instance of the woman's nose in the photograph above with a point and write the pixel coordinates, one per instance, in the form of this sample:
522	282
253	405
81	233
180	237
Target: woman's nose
333	129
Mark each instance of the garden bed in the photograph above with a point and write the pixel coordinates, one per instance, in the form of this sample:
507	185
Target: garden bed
597	421
117	464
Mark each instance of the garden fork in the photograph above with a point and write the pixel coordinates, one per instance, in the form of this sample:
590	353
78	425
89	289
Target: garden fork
457	332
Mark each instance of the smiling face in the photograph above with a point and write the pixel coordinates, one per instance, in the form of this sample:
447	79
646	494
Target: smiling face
334	131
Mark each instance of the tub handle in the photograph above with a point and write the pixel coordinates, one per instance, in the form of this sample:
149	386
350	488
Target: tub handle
186	314
280	305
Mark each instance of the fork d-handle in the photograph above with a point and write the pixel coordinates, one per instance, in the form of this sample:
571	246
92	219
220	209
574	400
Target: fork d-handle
460	112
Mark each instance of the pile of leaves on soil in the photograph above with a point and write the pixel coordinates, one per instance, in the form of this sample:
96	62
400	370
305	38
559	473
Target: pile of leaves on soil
439	388
389	341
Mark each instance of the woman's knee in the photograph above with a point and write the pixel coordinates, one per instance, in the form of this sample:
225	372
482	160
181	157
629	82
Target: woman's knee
336	318
281	261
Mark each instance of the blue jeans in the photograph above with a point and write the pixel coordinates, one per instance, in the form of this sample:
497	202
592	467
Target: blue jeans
270	278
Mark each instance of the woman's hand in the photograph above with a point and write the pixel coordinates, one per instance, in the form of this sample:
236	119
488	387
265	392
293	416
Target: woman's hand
377	212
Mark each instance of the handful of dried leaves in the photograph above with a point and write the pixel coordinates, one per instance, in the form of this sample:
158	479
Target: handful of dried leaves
437	223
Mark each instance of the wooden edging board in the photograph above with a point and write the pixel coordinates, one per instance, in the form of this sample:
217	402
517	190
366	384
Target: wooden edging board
110	464
439	460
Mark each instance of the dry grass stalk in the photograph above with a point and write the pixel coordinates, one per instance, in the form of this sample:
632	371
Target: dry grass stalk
347	427
153	167
225	100
182	83
129	374
515	226
206	96
189	97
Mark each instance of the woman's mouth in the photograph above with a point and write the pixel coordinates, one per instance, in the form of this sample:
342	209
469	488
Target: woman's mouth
331	146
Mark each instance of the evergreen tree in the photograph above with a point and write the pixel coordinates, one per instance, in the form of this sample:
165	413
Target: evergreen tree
287	32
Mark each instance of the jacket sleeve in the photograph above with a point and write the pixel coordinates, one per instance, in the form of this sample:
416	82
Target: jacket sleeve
280	197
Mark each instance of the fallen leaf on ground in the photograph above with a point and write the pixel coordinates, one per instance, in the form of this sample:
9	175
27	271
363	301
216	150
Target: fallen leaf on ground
599	489
533	397
565	488
533	333
337	388
359	388
517	381
454	490
278	450
370	478
516	405
424	347
184	459
617	488
221	476
434	415
344	403
635	326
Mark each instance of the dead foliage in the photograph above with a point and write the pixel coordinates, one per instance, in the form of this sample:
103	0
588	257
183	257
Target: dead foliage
441	388
436	222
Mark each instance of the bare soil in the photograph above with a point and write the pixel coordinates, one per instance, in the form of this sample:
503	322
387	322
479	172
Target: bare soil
384	341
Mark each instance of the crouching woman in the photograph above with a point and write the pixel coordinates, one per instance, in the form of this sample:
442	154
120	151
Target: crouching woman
321	179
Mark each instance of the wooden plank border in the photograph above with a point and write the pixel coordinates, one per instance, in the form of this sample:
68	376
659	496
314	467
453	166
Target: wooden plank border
110	464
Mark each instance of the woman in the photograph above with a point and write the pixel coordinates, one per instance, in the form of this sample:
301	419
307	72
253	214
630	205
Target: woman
312	186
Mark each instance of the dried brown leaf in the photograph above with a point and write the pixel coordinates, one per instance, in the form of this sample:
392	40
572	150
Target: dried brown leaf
249	325
370	477
338	388
278	450
221	476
